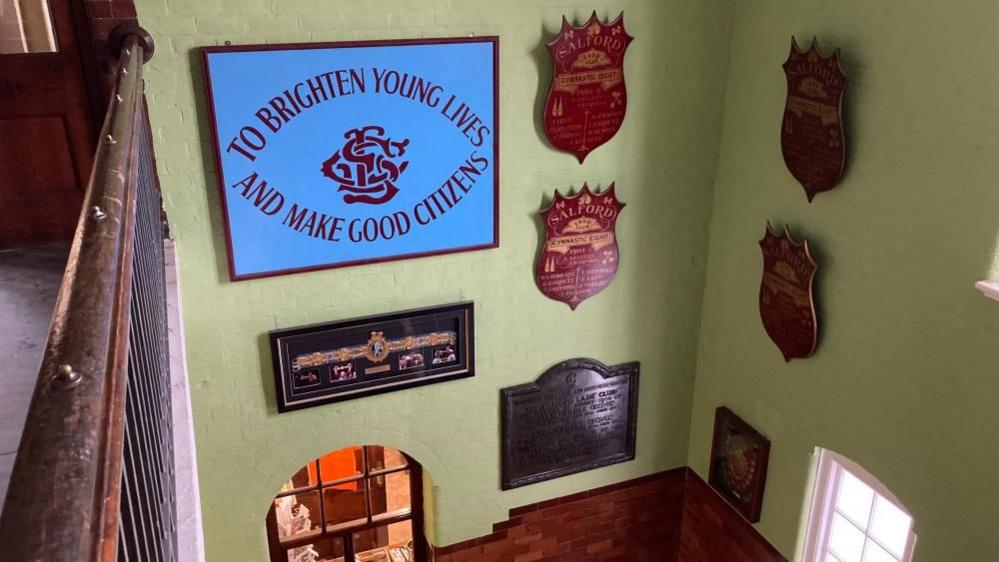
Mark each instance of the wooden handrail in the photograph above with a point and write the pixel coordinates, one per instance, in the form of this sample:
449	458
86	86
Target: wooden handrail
64	493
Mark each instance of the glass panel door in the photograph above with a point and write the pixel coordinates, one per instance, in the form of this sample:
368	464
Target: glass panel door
26	27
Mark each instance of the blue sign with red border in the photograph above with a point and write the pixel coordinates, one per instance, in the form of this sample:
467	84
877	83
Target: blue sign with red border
343	154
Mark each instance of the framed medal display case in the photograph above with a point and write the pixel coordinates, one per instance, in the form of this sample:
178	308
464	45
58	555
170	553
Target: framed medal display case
325	363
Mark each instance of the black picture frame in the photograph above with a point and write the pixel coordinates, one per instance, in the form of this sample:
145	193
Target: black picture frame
347	359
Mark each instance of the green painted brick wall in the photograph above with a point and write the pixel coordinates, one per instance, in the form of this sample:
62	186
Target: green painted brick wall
907	373
663	160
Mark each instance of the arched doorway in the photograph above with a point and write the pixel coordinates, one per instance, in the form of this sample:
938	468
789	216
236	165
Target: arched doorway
358	504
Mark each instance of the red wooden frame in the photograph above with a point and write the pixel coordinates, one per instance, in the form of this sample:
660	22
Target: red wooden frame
205	51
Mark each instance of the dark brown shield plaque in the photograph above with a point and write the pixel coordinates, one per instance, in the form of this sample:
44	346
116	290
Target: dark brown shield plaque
579	257
587	97
812	138
786	304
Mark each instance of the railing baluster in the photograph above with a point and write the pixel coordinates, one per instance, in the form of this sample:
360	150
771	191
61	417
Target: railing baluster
99	435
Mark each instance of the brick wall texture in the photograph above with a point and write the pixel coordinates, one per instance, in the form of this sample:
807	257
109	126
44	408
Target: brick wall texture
107	14
103	16
671	516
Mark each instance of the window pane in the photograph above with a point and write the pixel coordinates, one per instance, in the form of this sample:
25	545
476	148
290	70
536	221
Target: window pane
341	464
854	499
845	540
830	557
345	504
297	515
26	27
890	526
390	494
382	458
304	478
388	543
877	554
330	550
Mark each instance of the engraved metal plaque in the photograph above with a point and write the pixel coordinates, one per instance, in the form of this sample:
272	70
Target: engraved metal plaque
579	415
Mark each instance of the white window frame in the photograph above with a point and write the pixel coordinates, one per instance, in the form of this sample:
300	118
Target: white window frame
989	288
828	476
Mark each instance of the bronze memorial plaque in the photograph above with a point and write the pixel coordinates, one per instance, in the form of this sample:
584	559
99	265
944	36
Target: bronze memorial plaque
787	307
587	97
812	138
578	415
579	257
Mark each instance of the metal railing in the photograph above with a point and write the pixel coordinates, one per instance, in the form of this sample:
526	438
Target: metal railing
93	480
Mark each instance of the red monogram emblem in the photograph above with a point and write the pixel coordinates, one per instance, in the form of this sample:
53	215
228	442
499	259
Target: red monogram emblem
367	166
587	98
579	258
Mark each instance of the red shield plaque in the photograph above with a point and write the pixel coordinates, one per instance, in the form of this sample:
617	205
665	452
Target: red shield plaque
811	137
579	257
587	97
786	305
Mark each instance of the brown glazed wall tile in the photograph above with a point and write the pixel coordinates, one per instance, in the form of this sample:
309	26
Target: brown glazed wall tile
671	516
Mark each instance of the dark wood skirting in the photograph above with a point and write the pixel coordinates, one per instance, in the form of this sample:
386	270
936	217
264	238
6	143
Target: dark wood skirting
670	516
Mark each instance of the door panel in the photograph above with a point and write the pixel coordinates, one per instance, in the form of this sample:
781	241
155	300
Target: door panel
46	132
38	187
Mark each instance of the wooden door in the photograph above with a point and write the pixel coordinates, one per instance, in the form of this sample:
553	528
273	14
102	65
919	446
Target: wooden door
47	131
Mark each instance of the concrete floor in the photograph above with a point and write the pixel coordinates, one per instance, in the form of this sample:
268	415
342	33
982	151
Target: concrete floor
29	282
